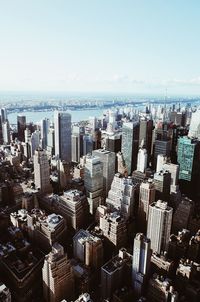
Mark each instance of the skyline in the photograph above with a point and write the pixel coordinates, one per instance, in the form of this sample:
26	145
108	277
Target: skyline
89	46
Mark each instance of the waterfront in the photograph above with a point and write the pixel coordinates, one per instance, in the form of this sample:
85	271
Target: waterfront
36	116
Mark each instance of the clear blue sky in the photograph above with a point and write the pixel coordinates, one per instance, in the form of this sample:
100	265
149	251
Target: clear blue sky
127	46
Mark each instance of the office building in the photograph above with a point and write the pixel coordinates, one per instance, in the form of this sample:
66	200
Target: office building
141	262
62	126
159	225
46	230
87	144
41	171
45	124
3	113
58	279
146	197
142	160
121	196
93	180
130	140
189	171
114	229
88	249
162	182
145	133
116	273
21	126
6	132
121	167
72	205
113	142
34	141
194	131
182	214
108	159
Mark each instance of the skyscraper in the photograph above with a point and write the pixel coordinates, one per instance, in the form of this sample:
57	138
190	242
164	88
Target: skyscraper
121	196
62	125
88	249
189	161
146	197
58	279
41	171
194	131
141	262
142	160
45	123
130	139
21	126
108	159
159	225
93	179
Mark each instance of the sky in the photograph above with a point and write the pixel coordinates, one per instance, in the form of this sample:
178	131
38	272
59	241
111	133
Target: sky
108	46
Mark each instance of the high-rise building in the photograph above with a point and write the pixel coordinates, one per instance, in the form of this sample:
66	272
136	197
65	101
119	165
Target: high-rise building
113	142
93	180
74	208
145	133
41	171
141	262
87	144
142	160
3	114
77	143
62	126
46	230
194	131
21	126
51	141
130	139
114	228
146	197
45	123
116	273
108	159
6	132
88	249
159	225
58	279
182	214
189	161
162	181
121	196
35	141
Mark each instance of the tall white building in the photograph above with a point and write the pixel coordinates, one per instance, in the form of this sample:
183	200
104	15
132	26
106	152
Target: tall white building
58	278
108	159
62	126
141	262
142	160
41	171
195	125
6	132
93	179
159	225
121	196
